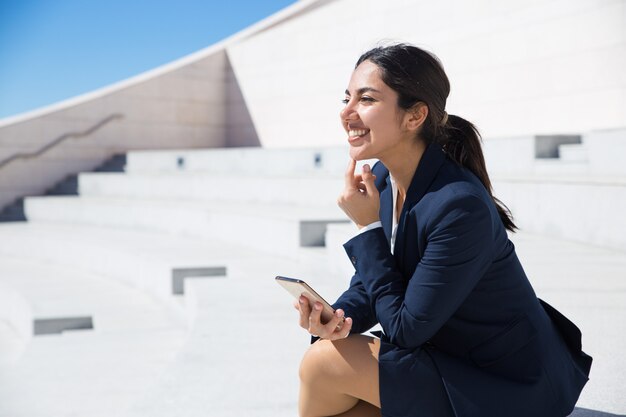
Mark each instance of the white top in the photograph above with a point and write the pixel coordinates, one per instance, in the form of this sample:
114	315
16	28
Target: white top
394	222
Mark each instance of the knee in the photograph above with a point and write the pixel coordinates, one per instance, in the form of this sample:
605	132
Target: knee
317	361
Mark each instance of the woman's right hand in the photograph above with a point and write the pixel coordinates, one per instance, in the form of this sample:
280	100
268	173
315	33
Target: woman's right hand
311	320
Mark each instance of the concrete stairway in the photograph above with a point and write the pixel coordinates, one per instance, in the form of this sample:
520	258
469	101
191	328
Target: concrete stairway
174	263
169	266
280	207
68	186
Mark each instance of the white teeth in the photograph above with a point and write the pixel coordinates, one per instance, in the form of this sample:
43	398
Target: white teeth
357	132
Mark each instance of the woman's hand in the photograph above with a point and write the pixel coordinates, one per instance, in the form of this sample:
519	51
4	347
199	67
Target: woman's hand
360	199
311	319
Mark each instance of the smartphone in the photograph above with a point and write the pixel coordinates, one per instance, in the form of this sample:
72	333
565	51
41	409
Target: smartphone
297	287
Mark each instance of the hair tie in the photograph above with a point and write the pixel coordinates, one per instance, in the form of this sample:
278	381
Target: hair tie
444	119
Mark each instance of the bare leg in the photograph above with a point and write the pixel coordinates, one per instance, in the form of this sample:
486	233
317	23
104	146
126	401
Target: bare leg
340	377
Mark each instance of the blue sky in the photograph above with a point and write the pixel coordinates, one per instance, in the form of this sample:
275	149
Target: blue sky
51	50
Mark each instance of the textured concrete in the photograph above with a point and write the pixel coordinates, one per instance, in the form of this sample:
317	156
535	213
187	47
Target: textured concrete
515	70
228	346
586	283
243	333
276	229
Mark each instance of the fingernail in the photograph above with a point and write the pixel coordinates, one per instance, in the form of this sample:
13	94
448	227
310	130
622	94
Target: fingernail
301	299
366	168
318	306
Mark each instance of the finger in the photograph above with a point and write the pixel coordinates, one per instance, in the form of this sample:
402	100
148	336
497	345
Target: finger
328	330
350	181
315	322
368	180
305	311
347	326
344	331
339	313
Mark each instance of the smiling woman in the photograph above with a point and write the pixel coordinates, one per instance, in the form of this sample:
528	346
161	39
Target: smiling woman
463	332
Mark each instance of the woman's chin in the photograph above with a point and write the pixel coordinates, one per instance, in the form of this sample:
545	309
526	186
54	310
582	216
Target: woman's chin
358	153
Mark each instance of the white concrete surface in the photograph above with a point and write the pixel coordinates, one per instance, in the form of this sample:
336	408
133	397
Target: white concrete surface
248	161
110	254
581	209
580	195
586	283
141	260
271	228
185	186
195	101
16	324
244	334
515	70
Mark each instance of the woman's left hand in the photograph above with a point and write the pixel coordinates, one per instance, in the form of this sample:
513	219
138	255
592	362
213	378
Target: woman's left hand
359	199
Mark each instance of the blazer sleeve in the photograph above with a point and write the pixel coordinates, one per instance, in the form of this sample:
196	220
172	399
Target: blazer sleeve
459	249
355	301
356	304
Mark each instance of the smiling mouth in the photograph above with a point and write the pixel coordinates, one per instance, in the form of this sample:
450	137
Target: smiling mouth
355	133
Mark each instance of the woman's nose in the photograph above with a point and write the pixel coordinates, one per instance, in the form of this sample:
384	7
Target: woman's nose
348	113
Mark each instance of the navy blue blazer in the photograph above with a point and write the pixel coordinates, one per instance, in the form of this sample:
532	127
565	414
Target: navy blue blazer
454	293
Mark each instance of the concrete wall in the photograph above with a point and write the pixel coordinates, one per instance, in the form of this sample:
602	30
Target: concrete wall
581	199
182	108
517	67
190	103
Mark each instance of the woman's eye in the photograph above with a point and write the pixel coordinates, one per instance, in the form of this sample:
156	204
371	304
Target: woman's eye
363	98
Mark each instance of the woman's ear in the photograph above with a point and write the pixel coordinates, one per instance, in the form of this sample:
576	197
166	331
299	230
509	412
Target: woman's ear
416	116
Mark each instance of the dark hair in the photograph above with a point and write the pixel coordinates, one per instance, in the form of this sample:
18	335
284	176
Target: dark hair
418	76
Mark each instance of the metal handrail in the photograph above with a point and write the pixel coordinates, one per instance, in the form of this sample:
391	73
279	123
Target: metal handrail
46	148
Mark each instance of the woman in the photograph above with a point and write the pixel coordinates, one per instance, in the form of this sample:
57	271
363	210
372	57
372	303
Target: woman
463	331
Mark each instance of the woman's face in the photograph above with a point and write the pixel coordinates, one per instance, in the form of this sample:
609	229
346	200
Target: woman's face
376	126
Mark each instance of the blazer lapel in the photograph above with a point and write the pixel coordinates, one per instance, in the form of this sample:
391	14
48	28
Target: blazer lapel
386	209
425	173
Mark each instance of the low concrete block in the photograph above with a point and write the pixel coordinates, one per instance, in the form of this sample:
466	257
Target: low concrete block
60	324
179	275
313	232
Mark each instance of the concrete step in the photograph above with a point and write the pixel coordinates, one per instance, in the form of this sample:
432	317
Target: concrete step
86	373
567	207
54	290
153	371
272	228
202	186
145	261
245	335
247	161
38	292
558	167
573	153
16	323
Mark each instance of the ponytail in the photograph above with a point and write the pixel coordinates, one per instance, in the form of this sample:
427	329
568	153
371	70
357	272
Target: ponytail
462	143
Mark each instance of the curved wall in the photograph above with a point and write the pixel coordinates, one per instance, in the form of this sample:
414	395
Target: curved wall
517	67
